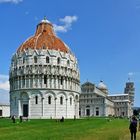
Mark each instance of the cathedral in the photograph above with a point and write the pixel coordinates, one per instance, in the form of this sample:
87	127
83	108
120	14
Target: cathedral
45	82
44	77
96	101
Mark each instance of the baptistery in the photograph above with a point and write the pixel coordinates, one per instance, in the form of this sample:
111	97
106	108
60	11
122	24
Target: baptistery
44	77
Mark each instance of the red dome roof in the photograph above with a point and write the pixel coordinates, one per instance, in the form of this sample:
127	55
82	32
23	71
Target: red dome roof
44	38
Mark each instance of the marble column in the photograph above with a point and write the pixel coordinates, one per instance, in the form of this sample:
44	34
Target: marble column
52	81
48	82
19	108
42	81
25	81
21	81
64	83
33	79
29	79
56	82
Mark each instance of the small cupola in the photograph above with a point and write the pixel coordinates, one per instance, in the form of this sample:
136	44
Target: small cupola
101	86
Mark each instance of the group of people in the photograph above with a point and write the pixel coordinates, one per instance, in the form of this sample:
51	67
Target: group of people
133	127
20	119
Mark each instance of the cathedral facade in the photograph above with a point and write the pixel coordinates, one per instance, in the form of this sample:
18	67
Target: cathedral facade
96	101
44	77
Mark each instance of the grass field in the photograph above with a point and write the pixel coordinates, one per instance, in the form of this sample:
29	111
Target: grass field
82	129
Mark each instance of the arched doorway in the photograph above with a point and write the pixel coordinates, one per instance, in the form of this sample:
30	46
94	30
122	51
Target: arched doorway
97	111
24	100
25	110
87	110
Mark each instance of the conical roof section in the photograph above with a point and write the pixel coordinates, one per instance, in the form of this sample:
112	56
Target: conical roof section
44	38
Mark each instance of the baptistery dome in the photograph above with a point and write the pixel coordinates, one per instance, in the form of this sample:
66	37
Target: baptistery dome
44	38
44	77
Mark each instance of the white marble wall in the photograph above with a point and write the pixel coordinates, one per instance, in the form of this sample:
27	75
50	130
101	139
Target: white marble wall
44	79
5	110
43	109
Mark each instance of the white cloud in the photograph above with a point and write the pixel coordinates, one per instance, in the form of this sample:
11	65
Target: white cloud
4	82
11	1
130	73
68	19
67	23
59	28
4	77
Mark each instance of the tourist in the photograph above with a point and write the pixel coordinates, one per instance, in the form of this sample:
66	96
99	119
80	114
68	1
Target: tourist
62	119
20	119
13	119
133	128
139	124
74	117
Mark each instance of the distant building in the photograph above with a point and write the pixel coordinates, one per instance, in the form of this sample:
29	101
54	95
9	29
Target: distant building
129	89
122	105
44	77
96	101
4	110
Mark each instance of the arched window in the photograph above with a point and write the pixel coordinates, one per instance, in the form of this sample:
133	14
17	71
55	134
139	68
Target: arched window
45	79
23	82
61	100
61	80
76	97
49	100
47	60
68	62
23	60
35	59
36	99
70	100
44	47
58	60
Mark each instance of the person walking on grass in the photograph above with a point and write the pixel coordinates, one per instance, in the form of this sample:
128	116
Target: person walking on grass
133	128
13	119
21	119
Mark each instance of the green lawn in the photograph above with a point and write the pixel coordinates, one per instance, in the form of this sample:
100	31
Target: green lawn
82	129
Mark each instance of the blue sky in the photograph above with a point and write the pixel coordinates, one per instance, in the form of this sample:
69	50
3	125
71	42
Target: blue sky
103	34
